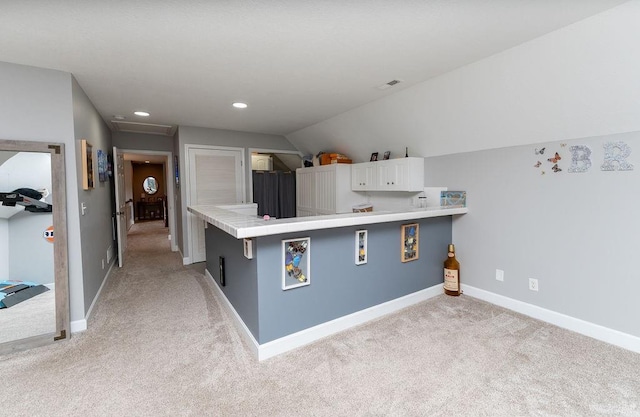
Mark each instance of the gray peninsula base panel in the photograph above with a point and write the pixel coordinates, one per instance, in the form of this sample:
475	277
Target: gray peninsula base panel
338	286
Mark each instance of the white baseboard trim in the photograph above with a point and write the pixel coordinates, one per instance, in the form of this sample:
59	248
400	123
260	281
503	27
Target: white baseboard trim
586	328
237	321
81	325
78	326
310	335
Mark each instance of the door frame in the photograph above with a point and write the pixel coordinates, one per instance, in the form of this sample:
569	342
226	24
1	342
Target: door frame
187	187
60	251
169	179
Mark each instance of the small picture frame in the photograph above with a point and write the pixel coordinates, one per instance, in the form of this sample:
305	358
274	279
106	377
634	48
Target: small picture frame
296	263
248	248
387	155
176	169
86	154
374	156
453	198
361	247
409	242
102	165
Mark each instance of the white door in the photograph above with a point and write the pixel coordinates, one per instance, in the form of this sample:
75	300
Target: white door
215	177
121	219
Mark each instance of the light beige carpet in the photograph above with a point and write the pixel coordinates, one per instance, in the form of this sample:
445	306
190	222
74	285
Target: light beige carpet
160	343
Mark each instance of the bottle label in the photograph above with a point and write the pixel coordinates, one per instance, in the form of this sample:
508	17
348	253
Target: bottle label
451	280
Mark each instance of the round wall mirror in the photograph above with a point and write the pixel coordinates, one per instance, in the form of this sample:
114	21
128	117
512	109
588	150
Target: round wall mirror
150	185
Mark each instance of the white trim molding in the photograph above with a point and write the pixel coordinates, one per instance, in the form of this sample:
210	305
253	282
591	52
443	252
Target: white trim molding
586	328
310	335
78	326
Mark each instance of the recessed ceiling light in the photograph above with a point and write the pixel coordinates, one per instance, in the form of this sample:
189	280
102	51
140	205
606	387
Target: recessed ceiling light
141	113
239	105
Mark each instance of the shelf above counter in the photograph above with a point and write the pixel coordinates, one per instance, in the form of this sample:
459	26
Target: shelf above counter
240	225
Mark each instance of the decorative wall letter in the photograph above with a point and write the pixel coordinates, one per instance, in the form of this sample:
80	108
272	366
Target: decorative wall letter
610	155
580	158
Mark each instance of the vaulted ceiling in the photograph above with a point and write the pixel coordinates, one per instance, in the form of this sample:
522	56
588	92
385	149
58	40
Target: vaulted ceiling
295	63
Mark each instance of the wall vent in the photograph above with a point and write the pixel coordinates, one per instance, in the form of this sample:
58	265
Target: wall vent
389	84
148	128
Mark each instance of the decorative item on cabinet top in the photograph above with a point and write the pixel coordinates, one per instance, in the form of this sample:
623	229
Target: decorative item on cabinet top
334	158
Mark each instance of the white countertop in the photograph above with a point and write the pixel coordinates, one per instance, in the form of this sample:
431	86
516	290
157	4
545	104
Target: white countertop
241	225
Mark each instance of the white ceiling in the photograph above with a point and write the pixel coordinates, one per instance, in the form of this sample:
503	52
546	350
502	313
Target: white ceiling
294	62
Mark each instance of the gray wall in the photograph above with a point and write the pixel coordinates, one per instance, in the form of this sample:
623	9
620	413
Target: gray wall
241	275
575	232
36	105
30	255
338	287
96	227
177	196
188	135
143	142
4	249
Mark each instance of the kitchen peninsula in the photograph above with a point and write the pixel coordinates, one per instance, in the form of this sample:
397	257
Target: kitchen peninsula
291	281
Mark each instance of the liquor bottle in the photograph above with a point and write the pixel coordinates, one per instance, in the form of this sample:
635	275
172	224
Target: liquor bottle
452	273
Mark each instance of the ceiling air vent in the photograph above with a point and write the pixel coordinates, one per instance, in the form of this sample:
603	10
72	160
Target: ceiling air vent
148	128
389	84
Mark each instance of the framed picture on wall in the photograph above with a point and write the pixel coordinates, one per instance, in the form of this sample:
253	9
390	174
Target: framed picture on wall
102	165
177	170
296	263
361	247
409	242
86	153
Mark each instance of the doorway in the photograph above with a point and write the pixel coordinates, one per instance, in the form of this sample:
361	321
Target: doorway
273	181
142	202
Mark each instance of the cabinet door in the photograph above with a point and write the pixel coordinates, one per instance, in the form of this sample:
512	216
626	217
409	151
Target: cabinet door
305	190
363	177
325	191
387	175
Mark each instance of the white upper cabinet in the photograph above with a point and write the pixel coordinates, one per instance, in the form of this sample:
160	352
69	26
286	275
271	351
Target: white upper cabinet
402	174
363	176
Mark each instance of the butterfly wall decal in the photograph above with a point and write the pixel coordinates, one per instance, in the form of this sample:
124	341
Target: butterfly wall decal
540	151
555	168
537	165
555	159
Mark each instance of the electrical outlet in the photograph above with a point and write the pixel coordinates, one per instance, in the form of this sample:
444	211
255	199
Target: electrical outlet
499	274
533	284
103	263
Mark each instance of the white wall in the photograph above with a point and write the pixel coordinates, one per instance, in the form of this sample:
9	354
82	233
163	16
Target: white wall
579	81
567	230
